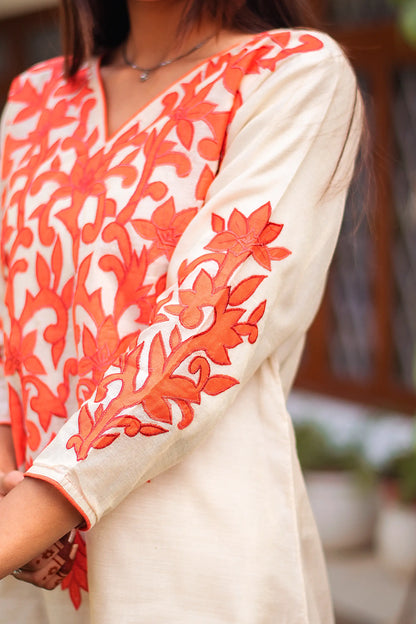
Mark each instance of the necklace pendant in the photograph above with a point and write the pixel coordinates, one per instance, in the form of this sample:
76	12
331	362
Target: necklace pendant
146	73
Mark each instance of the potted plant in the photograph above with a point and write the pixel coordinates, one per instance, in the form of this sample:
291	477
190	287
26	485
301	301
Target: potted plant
396	526
340	487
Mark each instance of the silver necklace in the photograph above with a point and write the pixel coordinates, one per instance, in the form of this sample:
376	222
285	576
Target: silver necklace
145	72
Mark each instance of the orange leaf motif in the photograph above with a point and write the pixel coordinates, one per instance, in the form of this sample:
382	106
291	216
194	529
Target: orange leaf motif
245	289
151	430
130	424
257	314
219	383
105	440
217	223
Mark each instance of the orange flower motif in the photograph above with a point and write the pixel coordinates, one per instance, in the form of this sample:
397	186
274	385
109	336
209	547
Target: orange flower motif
193	107
190	310
249	235
102	350
18	352
165	228
85	178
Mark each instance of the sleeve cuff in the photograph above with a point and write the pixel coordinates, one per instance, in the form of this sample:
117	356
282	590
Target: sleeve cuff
65	487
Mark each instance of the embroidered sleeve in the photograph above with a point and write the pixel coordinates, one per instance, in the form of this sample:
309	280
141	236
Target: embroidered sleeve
247	274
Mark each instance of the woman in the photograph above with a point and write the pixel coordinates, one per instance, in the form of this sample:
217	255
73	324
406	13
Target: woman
170	208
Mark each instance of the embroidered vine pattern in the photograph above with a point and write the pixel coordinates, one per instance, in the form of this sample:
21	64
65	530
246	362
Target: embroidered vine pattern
229	249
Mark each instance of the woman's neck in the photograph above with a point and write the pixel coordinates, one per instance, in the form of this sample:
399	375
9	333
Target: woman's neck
153	31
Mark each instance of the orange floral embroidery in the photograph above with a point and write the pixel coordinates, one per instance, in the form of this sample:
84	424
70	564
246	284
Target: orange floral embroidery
192	302
164	228
19	352
248	235
162	386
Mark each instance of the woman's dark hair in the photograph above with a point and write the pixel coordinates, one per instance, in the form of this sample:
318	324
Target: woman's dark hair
97	26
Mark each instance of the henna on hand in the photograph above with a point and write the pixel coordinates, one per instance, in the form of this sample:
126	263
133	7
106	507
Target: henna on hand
52	566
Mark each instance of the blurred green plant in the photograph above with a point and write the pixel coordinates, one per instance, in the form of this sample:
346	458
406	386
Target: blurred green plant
400	474
316	452
406	16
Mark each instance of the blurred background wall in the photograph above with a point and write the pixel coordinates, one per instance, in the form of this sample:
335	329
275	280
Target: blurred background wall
363	344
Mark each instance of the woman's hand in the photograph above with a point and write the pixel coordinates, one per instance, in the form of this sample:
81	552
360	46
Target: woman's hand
34	515
8	480
52	566
48	569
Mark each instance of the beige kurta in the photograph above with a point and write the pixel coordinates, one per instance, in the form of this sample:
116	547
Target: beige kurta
158	286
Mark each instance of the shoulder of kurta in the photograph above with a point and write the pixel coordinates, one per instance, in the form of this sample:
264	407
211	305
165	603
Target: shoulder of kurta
305	56
309	71
38	74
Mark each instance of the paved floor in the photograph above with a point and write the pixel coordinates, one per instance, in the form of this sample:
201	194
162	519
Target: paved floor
364	592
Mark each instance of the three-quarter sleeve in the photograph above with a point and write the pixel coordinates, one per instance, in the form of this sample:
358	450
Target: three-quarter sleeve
246	276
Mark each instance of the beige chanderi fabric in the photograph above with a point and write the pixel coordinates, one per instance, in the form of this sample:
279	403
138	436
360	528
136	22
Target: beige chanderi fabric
158	286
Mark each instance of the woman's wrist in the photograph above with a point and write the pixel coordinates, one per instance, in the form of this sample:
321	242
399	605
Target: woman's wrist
33	516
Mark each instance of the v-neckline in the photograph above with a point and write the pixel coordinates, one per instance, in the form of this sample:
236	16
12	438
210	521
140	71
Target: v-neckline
98	87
